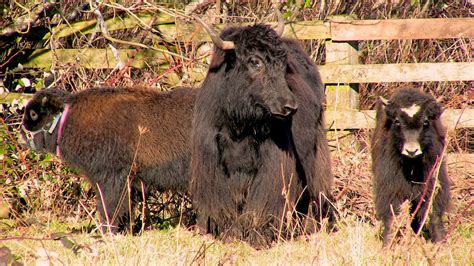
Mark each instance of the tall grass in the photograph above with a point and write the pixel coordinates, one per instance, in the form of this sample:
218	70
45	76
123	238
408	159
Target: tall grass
355	243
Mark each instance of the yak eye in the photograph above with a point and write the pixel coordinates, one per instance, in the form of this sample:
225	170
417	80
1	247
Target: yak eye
255	62
33	115
396	123
426	123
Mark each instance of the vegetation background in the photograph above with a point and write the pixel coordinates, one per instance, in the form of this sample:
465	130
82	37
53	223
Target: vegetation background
46	209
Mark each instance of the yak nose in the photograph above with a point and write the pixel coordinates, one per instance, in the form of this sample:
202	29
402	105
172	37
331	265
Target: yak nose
290	108
22	138
22	141
412	153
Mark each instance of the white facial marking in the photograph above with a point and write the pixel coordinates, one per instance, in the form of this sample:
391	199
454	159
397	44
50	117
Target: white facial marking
412	110
33	115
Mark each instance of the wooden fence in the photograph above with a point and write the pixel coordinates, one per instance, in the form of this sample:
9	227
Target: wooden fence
341	73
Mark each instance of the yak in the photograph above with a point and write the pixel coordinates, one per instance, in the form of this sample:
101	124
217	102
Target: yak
407	151
111	134
259	153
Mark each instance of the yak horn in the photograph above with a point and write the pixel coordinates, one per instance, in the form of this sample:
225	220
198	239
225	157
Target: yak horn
384	101
218	42
281	22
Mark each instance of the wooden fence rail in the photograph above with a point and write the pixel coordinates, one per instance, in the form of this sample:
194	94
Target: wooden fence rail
103	58
337	31
340	120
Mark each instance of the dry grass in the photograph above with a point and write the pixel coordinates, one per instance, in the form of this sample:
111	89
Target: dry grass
355	243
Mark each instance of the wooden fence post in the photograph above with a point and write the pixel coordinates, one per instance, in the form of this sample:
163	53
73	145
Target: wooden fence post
342	96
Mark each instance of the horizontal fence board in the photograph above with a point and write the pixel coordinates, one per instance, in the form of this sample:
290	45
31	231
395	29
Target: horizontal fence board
461	162
461	118
94	58
339	120
112	24
14	97
174	29
185	31
333	74
402	29
397	72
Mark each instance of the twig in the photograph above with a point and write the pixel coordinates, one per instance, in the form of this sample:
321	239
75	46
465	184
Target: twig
433	174
106	35
285	193
141	130
21	238
393	234
178	66
144	208
23	25
198	7
11	58
105	210
29	21
90	214
77	12
457	221
131	14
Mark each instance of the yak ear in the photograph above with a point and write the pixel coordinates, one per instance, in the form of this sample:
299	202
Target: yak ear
382	104
441	109
218	58
44	101
382	112
435	109
52	103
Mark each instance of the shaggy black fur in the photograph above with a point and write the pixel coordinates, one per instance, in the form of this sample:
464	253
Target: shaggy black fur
399	177
101	136
255	162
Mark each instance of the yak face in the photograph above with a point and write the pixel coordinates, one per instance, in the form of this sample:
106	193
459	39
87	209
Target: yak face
40	117
411	118
255	71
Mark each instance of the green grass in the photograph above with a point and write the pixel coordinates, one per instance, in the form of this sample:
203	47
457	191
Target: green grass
355	243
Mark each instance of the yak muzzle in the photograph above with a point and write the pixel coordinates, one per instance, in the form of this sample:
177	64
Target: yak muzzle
284	108
411	147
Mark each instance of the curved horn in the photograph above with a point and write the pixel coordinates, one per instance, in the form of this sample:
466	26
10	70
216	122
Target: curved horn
384	101
281	22
224	45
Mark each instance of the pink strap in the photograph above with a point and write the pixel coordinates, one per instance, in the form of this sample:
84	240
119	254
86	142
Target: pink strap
60	129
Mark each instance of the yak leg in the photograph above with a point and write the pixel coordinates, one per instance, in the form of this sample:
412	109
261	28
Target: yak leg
436	228
389	211
139	194
441	203
112	201
387	234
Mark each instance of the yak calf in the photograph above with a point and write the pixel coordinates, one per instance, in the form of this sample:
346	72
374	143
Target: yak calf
407	148
111	133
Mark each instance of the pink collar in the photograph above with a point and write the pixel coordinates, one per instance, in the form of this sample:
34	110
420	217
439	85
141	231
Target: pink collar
60	129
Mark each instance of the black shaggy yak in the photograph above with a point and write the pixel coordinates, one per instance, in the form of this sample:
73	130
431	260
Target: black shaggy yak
407	147
259	151
97	131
